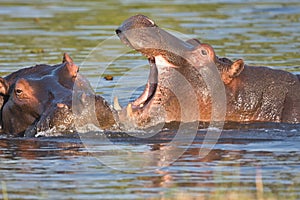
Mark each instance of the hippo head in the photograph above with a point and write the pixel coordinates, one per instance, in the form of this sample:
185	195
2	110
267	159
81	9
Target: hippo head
179	70
40	98
35	92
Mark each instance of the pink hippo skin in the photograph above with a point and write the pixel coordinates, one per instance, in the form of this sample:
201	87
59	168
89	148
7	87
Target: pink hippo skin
252	94
39	98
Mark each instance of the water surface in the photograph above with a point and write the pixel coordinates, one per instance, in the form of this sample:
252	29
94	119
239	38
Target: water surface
251	162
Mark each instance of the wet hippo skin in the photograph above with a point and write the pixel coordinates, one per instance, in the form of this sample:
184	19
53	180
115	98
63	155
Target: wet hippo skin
252	94
40	98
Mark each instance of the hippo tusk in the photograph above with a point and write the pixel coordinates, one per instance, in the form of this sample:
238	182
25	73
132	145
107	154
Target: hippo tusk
117	106
129	110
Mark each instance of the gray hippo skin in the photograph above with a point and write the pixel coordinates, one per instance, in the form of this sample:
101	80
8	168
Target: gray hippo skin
252	94
40	98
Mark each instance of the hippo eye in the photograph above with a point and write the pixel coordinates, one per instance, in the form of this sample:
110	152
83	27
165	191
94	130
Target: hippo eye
204	52
19	91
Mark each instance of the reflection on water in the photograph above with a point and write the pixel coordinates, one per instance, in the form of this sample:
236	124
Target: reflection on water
249	162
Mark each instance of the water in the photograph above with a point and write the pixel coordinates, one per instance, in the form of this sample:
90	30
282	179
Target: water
251	162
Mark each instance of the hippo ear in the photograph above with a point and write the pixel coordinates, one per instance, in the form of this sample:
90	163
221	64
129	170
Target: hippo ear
236	68
4	86
71	66
72	69
67	58
193	41
67	72
233	71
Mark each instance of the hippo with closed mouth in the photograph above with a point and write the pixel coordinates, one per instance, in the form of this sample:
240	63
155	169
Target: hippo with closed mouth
251	94
41	98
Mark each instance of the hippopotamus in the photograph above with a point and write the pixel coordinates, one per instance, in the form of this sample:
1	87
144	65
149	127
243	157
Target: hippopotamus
186	77
40	98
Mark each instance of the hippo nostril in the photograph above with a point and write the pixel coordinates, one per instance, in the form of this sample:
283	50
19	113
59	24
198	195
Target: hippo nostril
118	31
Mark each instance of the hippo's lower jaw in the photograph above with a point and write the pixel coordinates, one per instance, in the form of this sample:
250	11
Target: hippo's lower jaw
149	109
150	88
157	65
137	113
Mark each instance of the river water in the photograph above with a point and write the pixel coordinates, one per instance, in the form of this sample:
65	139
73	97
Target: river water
259	161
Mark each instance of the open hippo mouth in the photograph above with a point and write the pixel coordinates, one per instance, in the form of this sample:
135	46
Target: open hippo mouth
160	47
150	88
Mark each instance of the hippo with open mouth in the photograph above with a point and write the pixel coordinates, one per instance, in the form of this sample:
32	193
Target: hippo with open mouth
41	98
186	76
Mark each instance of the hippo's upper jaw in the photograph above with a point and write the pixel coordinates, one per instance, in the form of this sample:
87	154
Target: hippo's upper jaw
142	34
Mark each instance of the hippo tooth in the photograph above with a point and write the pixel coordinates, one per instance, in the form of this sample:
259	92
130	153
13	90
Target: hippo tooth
141	105
129	110
117	104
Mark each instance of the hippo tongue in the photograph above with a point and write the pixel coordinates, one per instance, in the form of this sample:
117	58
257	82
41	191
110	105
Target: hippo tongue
150	86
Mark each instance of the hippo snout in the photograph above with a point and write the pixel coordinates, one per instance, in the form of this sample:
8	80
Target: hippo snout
135	22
